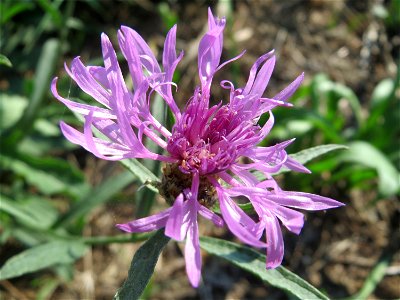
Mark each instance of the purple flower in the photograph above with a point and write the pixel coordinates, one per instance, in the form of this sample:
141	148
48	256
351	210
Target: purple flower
204	151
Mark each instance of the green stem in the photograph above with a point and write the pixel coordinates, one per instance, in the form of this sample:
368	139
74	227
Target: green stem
92	240
119	239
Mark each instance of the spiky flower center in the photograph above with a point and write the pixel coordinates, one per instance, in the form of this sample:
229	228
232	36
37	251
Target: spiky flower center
209	140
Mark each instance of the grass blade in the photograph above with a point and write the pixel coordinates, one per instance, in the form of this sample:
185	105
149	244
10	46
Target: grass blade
44	71
366	154
41	257
96	196
5	61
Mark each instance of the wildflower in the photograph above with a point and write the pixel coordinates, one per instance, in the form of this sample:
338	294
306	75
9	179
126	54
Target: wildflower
204	151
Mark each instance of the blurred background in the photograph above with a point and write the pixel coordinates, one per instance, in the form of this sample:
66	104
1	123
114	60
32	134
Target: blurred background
60	203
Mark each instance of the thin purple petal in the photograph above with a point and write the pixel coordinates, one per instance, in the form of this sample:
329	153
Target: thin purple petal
286	93
238	222
146	224
176	222
275	246
192	254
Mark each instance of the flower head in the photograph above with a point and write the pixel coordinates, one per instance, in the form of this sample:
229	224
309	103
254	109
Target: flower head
204	153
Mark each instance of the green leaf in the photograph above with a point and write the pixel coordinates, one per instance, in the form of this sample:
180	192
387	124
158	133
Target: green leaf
51	10
315	89
9	11
33	212
49	175
373	279
247	207
309	154
382	92
345	92
38	145
254	262
11	109
143	174
381	97
44	71
393	20
142	267
46	128
331	92
95	197
298	127
41	257
25	237
366	154
46	183
168	16
47	288
5	61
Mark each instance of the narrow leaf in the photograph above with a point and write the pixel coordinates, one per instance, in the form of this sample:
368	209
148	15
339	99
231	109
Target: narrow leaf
373	279
345	92
33	212
254	262
41	257
382	92
96	196
5	61
44	71
49	175
11	109
366	154
47	289
142	267
143	174
306	155
381	99
52	11
9	11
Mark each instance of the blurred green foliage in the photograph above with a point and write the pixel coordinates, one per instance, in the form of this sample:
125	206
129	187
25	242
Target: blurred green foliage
35	172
